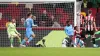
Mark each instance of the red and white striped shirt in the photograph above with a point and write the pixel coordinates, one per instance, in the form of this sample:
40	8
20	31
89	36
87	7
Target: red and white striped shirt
89	20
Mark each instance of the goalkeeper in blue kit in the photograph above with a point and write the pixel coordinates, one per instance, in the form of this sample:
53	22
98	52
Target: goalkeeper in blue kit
29	35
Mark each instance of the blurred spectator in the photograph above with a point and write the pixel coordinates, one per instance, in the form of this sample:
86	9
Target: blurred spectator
46	13
0	15
2	21
44	16
22	21
34	17
52	18
43	19
50	21
56	25
35	21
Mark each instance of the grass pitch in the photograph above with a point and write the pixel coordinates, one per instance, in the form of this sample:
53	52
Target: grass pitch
49	51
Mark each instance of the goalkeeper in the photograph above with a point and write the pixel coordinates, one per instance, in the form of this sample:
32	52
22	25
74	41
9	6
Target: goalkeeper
12	32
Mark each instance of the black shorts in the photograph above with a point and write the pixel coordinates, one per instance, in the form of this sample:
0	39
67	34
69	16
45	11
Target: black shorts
90	32
83	33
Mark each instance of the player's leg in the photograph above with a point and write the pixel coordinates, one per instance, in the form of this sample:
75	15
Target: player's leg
81	43
30	39
19	38
74	41
32	35
93	38
65	42
11	40
86	35
82	39
12	35
77	42
27	35
24	40
71	41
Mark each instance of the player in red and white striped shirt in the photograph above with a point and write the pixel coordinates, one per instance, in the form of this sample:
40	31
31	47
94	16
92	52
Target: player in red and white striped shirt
90	26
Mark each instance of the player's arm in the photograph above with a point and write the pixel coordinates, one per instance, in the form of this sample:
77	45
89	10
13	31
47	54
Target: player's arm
94	24
25	24
33	23
16	31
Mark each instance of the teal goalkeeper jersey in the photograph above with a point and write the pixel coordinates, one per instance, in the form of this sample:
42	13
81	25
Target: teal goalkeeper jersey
11	28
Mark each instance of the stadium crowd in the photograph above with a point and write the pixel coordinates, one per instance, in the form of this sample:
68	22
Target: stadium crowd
46	14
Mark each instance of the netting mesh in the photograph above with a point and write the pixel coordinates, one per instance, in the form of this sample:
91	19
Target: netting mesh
46	14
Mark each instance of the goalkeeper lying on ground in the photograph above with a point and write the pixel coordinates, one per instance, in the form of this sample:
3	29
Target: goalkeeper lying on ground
12	32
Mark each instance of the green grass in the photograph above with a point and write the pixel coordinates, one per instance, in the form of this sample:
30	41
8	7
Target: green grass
49	51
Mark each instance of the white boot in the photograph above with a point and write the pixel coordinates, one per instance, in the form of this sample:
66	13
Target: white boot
22	45
11	45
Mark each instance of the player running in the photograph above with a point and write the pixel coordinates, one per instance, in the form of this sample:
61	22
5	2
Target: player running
90	26
12	32
69	30
29	35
